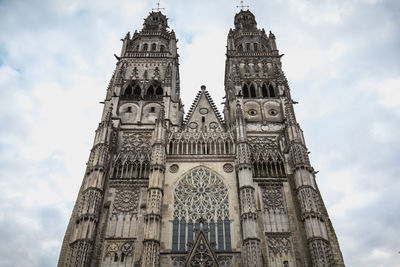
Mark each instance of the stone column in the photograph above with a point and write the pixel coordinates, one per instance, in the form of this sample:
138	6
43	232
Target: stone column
79	240
248	214
152	235
311	204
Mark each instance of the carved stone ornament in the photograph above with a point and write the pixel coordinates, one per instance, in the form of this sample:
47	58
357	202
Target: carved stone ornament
118	247
225	261
263	142
213	125
178	261
174	168
272	197
193	125
203	111
135	146
228	168
201	253
279	244
126	200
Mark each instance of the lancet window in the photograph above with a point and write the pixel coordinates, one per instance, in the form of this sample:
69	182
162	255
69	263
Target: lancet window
245	90
249	90
201	196
155	91
268	165
128	90
137	91
271	91
137	169
150	90
266	158
268	91
132	91
252	91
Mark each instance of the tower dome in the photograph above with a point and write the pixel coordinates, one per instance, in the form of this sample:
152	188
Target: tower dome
245	20
155	20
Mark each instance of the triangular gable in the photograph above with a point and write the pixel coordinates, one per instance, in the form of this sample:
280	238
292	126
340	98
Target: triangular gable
201	253
203	106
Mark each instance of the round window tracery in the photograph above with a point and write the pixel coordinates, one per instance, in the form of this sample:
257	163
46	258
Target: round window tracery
201	194
273	112
252	112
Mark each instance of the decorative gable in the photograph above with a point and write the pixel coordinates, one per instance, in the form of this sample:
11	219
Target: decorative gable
201	253
203	113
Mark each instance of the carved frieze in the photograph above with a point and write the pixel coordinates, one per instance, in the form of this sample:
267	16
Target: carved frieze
259	144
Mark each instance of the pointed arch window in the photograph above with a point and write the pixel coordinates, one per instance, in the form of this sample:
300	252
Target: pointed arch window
264	91
153	47
128	90
150	90
247	46
252	91
271	91
159	90
162	48
137	90
255	47
145	47
245	90
240	48
201	195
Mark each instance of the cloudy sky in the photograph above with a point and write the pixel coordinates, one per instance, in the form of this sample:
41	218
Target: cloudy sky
341	58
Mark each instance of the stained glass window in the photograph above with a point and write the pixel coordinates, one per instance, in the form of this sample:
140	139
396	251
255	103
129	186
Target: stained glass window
201	195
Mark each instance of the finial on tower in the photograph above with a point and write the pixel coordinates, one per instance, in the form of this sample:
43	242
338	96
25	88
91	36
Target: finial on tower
242	5
158	8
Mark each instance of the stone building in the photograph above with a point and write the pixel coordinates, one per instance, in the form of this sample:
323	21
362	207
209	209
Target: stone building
166	189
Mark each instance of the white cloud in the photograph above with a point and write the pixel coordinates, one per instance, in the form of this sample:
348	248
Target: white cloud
389	92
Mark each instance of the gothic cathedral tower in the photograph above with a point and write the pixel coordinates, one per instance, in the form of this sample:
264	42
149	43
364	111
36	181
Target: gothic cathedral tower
163	190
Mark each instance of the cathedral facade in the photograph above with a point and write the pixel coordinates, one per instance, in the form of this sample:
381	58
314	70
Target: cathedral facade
162	188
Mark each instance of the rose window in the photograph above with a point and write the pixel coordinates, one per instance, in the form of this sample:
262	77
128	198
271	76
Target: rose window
201	195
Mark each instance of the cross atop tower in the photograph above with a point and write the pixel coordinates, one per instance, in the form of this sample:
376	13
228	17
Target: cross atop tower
242	5
158	8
